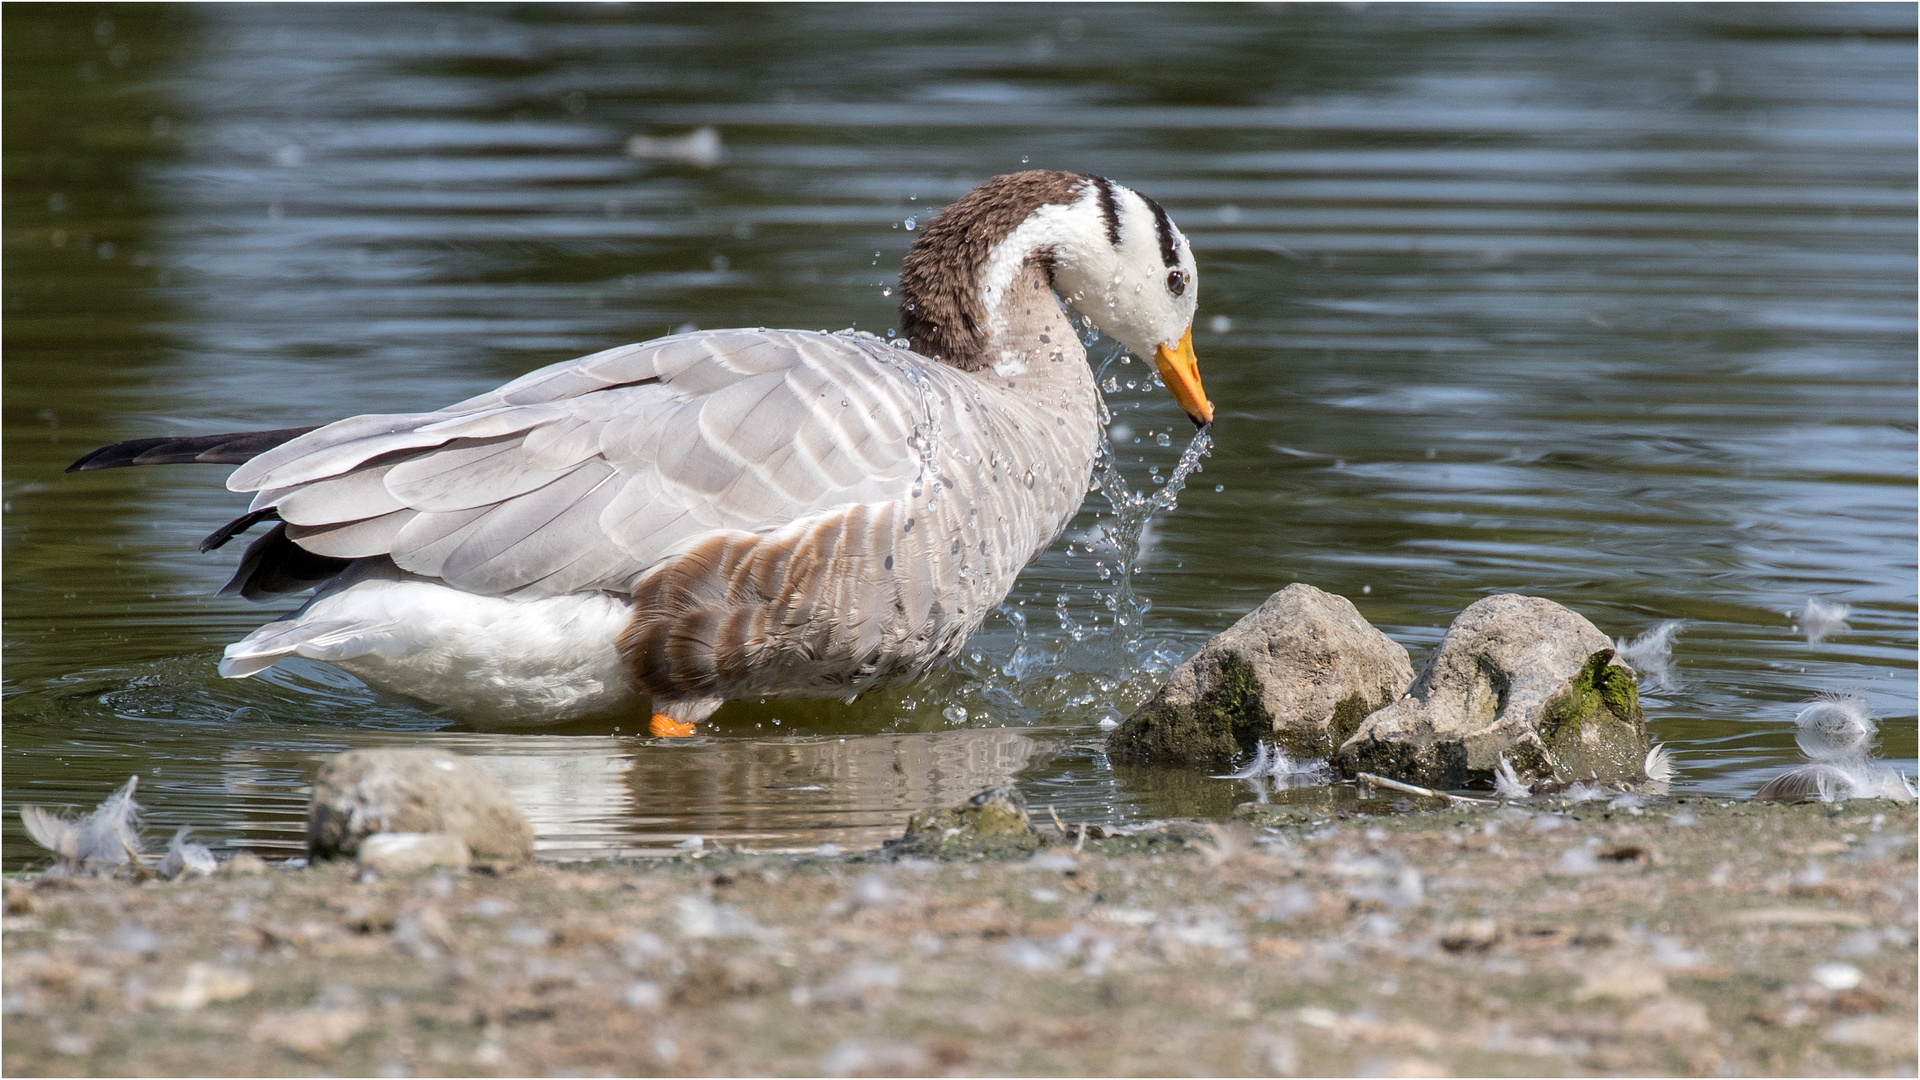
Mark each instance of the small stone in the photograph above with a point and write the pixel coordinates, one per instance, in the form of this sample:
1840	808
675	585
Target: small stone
854	1058
1470	935
1625	979
1887	1034
203	984
1670	1018
1517	677
245	864
409	852
645	995
1302	671
1836	976
363	792
309	1031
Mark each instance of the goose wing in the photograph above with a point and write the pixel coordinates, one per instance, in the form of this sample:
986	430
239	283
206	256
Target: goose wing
584	474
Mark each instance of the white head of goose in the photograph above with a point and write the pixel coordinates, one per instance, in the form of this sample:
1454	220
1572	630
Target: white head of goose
725	513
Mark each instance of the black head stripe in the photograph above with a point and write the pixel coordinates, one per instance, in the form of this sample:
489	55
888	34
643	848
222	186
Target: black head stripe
1163	225
1109	210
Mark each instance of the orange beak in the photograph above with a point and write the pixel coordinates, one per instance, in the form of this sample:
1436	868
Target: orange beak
1181	372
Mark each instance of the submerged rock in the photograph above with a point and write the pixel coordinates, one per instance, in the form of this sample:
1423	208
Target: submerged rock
1518	677
362	792
1300	671
992	824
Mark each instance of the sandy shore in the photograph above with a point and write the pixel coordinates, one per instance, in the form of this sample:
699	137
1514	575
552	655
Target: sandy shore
1691	937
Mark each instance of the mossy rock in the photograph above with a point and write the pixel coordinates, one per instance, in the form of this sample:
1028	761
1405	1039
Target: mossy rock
1595	726
1302	671
991	825
1224	724
1520	679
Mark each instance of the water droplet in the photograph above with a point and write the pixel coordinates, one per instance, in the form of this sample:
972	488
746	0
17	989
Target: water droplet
887	291
1219	488
1023	159
1163	439
844	403
955	714
1029	477
909	224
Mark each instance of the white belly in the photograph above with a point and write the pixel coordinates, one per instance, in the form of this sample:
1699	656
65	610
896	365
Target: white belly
491	660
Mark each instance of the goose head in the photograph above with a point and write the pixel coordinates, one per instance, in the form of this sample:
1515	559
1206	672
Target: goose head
1109	253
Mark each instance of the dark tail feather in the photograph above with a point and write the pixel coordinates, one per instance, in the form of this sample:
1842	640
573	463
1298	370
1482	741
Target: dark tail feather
234	448
231	529
274	565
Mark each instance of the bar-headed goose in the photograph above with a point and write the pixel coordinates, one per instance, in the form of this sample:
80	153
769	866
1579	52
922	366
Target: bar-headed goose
726	513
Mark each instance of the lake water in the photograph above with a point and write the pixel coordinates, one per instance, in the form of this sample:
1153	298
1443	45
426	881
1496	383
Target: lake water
1613	305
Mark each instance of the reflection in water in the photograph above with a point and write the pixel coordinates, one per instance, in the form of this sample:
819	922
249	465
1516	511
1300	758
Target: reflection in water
606	797
1611	304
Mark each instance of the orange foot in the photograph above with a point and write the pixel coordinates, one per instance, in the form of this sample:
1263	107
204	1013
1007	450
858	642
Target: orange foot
666	727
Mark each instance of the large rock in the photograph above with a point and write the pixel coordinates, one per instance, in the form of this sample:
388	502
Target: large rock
1518	677
362	792
1301	670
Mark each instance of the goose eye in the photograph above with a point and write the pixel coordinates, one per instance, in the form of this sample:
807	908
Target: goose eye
1177	282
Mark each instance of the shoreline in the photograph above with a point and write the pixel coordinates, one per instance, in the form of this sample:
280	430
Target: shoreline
1688	936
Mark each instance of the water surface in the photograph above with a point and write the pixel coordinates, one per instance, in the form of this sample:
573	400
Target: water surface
1613	305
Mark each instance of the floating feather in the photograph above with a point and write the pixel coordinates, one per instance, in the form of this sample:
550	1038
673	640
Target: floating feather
106	838
1836	734
1835	782
1651	654
1271	764
1820	620
1836	728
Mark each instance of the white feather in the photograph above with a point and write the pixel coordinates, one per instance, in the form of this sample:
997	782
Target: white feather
1836	734
1506	784
105	838
187	859
1659	764
1651	654
1820	620
1836	728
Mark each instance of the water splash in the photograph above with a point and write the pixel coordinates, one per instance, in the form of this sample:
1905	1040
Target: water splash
1080	652
1133	512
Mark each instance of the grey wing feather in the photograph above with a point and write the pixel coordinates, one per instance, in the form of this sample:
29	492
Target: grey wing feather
585	474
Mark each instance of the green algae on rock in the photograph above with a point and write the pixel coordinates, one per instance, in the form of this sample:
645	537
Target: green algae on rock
1300	671
990	825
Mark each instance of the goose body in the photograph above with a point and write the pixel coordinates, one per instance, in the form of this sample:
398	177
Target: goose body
722	513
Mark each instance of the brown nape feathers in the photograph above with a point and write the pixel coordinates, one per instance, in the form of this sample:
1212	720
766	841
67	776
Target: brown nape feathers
940	310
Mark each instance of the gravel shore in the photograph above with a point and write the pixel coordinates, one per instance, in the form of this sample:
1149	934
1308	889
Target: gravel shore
1686	936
